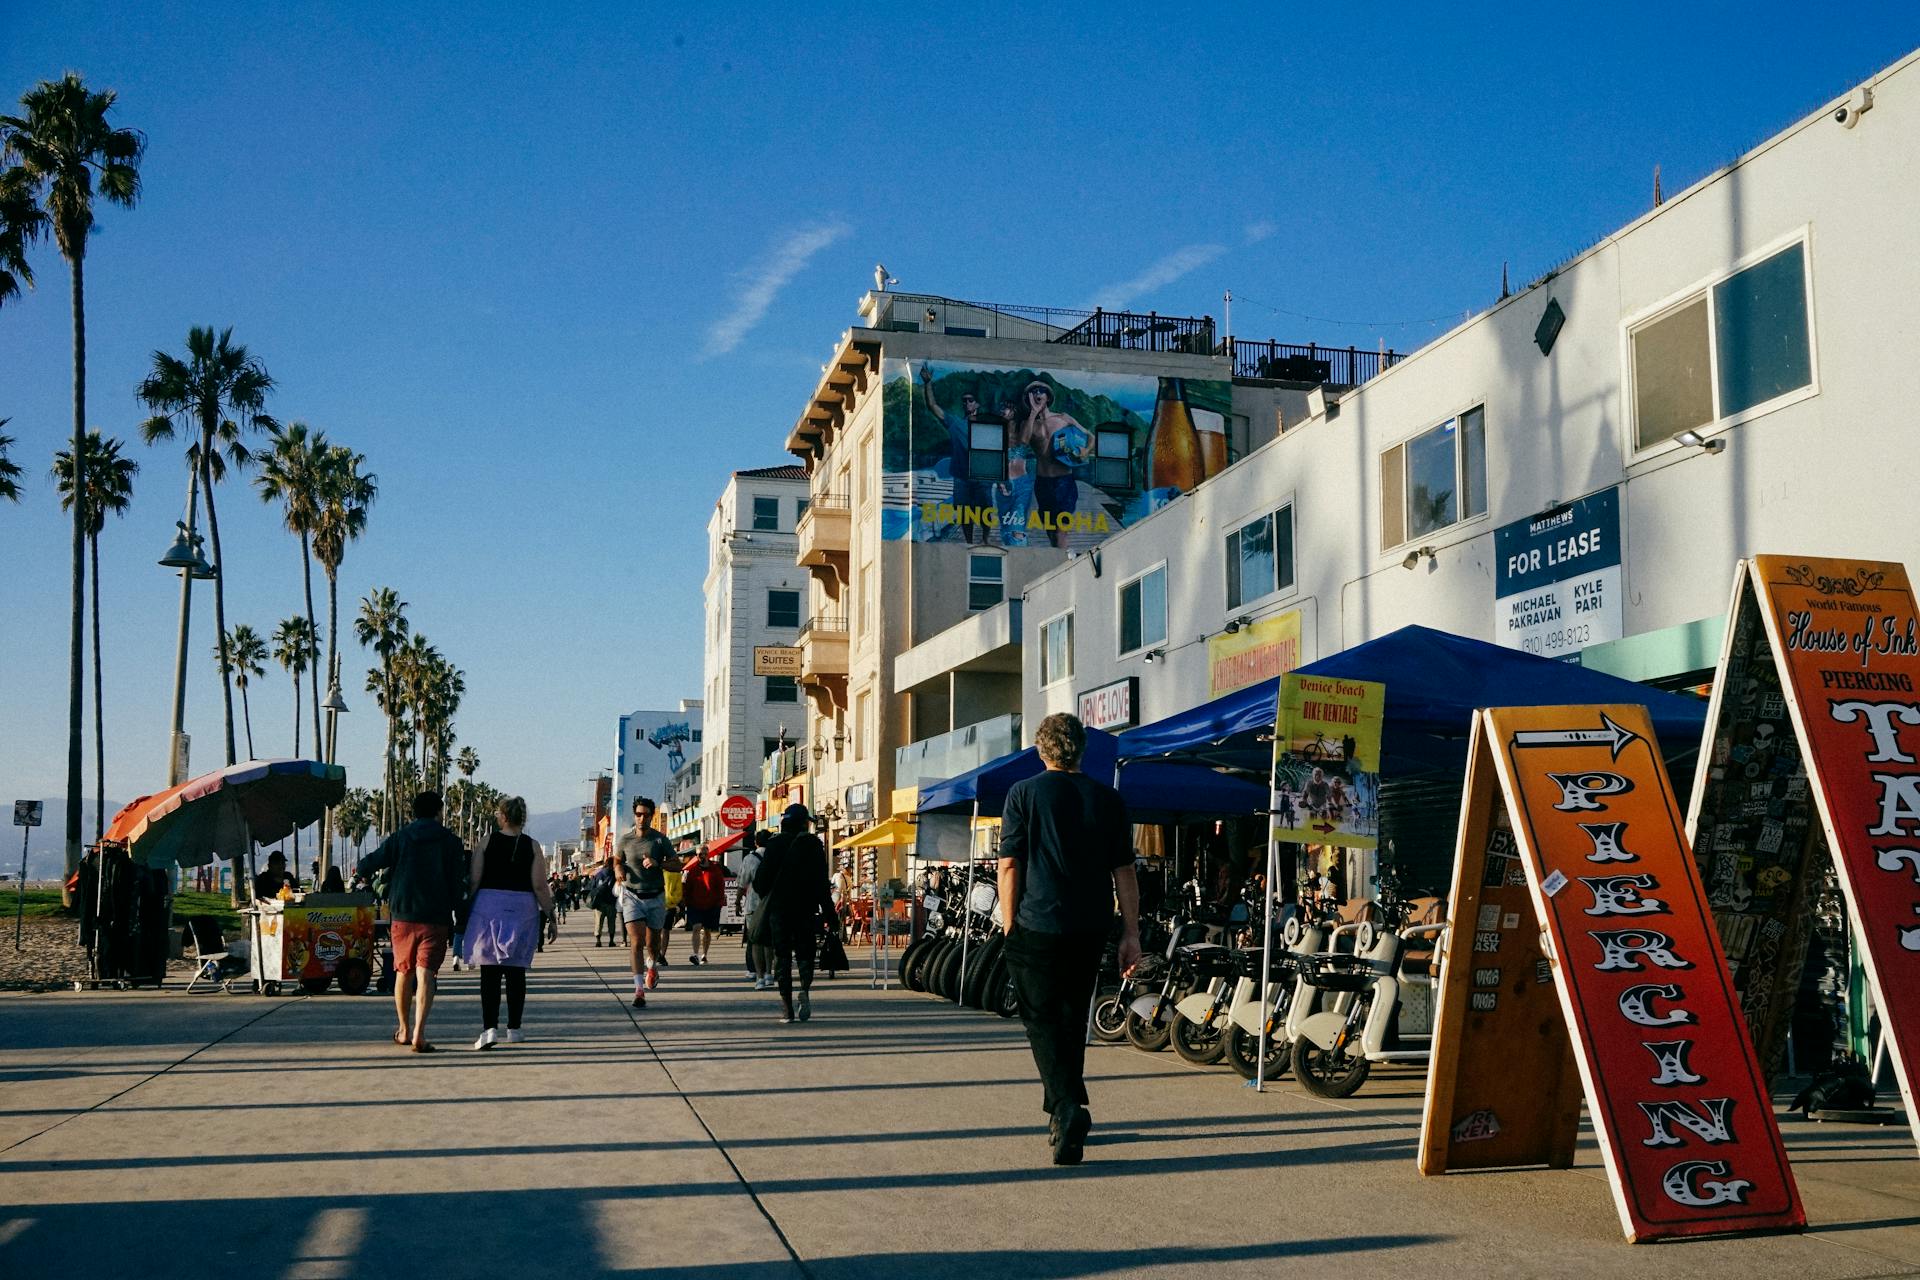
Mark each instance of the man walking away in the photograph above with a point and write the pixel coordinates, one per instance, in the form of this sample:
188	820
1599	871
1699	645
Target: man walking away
426	868
640	875
1065	854
605	904
745	900
704	891
793	880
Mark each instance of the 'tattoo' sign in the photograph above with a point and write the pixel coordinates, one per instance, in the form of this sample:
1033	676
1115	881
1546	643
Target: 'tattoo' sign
736	813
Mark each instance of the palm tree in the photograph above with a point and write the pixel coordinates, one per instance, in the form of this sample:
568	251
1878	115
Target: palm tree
345	495
290	470
108	477
468	762
382	626
61	152
296	648
218	392
9	469
247	653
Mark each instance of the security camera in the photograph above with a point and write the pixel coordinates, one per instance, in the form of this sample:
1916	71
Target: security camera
1858	103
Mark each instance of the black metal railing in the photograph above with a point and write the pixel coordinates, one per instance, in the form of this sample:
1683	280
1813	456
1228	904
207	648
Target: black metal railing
1137	331
829	502
1293	362
826	624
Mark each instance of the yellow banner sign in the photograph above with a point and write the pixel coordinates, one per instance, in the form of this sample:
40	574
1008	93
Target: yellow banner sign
1268	648
1326	761
776	660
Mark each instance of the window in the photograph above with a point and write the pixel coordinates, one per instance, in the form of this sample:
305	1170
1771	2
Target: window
783	608
986	451
862	717
800	506
1739	345
965	331
782	689
769	747
1434	480
766	515
1143	610
1260	558
1056	649
986	581
1112	458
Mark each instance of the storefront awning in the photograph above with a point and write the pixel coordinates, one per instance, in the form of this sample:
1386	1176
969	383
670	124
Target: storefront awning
1435	681
732	841
892	833
1155	791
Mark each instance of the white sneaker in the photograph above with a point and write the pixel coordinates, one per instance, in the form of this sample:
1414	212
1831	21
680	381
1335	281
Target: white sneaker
488	1039
515	1035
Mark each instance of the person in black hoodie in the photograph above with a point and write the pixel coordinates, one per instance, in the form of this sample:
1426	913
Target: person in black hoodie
793	880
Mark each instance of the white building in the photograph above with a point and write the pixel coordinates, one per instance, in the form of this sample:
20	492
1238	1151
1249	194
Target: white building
756	597
1575	471
652	746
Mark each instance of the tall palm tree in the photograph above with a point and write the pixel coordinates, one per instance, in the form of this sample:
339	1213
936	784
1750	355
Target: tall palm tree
61	152
247	653
108	477
296	649
9	469
382	626
346	493
290	471
468	762
219	392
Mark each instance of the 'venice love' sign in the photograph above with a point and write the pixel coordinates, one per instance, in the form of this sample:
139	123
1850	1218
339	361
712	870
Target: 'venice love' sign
1653	1025
1846	636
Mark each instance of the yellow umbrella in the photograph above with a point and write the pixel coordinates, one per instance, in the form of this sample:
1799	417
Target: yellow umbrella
891	833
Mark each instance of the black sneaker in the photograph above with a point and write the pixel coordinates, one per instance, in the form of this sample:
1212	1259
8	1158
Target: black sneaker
1069	1139
639	1000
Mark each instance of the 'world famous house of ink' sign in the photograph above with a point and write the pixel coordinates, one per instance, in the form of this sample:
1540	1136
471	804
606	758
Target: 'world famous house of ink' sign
1846	636
1677	1097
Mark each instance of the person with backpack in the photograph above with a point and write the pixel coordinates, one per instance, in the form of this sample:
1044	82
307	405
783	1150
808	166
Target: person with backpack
606	906
796	903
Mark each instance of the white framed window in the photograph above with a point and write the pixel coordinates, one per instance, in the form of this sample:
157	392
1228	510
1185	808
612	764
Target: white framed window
1056	650
1735	347
766	515
783	608
986	580
1435	479
1143	611
1259	558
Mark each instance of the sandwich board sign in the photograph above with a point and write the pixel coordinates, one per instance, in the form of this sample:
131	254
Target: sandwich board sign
1830	651
1595	898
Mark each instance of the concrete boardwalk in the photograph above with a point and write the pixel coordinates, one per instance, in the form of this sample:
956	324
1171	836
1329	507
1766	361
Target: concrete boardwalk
892	1136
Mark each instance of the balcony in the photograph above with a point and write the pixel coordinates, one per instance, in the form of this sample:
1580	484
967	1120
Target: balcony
824	534
823	649
1296	362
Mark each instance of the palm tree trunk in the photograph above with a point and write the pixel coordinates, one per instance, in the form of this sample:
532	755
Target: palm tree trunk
76	670
326	745
99	727
295	868
219	584
313	667
246	715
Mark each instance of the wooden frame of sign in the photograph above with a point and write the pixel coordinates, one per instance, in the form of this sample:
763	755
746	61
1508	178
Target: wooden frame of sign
1608	908
1841	641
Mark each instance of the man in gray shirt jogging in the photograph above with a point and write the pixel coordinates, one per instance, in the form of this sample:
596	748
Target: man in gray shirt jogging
640	883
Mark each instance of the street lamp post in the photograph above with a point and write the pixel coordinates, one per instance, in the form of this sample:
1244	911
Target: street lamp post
335	706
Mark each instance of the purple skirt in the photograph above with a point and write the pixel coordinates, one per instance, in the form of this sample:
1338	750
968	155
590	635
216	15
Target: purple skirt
503	928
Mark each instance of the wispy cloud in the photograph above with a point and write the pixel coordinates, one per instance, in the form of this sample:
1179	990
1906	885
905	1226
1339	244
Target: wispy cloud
1261	230
1161	272
761	283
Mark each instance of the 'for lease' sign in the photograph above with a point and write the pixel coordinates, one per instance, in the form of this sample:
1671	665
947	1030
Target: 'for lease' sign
1556	581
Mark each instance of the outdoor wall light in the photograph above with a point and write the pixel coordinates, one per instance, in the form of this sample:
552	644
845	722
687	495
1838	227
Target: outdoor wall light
1152	656
1694	440
1233	626
1412	559
819	751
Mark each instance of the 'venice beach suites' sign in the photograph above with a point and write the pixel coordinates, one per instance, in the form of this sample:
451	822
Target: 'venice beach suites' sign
1844	636
1619	927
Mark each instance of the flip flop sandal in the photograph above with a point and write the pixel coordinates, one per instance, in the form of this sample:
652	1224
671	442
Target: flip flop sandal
421	1046
402	1038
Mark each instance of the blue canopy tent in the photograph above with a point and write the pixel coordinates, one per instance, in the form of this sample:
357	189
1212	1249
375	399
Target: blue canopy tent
1154	790
1435	681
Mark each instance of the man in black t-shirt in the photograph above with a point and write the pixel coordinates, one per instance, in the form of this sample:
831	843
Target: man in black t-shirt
1066	853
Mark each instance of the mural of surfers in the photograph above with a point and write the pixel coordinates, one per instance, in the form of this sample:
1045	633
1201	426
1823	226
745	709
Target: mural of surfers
1017	457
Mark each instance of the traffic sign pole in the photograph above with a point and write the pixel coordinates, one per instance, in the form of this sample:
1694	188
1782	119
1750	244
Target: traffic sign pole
20	910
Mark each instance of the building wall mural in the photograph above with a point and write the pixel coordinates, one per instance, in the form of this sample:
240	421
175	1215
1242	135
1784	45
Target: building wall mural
997	455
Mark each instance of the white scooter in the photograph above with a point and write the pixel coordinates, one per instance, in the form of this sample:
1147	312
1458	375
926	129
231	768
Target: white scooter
1381	1009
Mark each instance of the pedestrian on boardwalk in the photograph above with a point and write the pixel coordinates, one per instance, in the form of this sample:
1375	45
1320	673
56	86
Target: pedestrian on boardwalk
425	865
511	898
745	899
793	880
605	903
671	879
1066	854
640	875
703	891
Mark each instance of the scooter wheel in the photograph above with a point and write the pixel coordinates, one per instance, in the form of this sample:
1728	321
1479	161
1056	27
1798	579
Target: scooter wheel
1201	1046
354	976
1242	1046
1328	1073
910	962
1146	1036
1002	996
1110	1019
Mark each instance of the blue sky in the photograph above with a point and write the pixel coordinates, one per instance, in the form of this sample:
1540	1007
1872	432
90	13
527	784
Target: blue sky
557	272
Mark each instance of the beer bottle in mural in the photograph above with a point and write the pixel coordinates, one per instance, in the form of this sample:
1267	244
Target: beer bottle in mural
1212	428
1173	450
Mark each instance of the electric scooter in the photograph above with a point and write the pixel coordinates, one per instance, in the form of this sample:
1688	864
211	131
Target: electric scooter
1381	1009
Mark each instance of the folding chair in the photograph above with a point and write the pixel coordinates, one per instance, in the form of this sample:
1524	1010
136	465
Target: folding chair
209	949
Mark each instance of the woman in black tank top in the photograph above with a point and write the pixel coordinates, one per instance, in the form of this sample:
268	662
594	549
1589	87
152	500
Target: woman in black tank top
510	892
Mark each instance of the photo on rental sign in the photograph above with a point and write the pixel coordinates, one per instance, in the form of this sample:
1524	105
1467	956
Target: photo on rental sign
1326	761
993	455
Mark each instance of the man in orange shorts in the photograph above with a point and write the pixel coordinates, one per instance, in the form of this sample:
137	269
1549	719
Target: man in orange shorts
426	865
